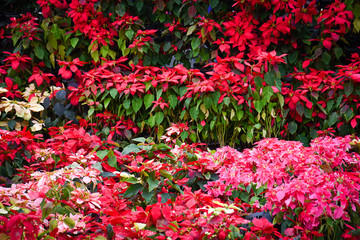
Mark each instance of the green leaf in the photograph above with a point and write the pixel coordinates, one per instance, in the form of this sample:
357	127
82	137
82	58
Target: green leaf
159	93
226	101
52	41
106	102
300	109
147	195
152	183
184	135
91	111
133	190
191	29
95	55
173	101
151	121
15	37
102	154
204	54
126	104
139	139
104	50
159	117
182	90
46	210
292	127
56	31
70	222
258	82
53	224
130	148
195	43
74	42
258	106
131	180
214	3
139	5
148	99
112	161
113	92
338	52
326	58
330	105
334	117
267	92
293	57
356	10
167	46
137	103
269	78
39	52
239	114
208	102
348	90
100	238
194	113
129	34
120	9
193	137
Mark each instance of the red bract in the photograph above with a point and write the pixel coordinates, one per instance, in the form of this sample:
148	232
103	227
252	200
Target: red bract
81	10
15	60
293	97
223	45
22	142
316	180
20	225
286	5
26	25
240	31
304	11
271	29
39	76
69	67
263	226
269	58
12	89
161	103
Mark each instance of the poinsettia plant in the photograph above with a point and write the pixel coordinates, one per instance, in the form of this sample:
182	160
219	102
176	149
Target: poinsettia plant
114	122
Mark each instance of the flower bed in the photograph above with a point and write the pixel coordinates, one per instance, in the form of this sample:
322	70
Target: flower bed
78	187
109	116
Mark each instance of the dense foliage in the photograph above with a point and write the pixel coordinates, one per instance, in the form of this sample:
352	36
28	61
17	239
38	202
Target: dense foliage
109	111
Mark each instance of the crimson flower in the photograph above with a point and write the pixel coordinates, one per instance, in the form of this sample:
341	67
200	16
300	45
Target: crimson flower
167	77
264	226
80	10
175	24
207	25
39	76
223	45
17	61
293	97
66	73
239	30
27	25
304	13
12	89
269	58
283	4
271	29
160	103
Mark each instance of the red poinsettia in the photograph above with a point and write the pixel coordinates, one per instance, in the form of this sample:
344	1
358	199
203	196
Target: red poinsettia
17	61
304	11
70	67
